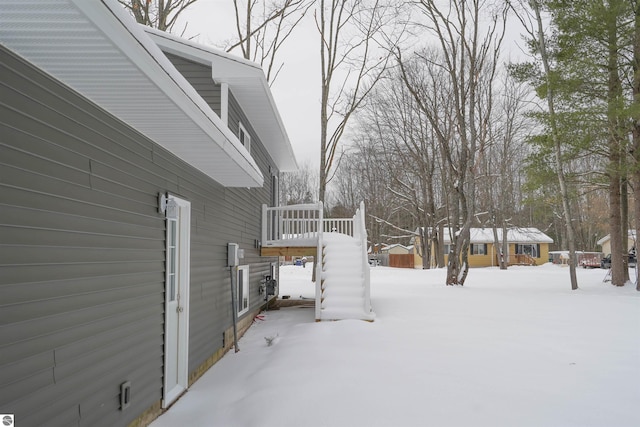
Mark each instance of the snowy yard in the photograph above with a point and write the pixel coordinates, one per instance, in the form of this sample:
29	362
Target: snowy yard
510	348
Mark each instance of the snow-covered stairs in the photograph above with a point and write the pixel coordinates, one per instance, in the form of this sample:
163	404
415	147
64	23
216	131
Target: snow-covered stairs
344	293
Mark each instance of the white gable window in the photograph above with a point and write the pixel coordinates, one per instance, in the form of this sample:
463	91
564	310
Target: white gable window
242	289
244	137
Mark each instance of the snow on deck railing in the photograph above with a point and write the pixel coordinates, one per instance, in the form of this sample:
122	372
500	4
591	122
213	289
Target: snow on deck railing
290	222
338	225
283	223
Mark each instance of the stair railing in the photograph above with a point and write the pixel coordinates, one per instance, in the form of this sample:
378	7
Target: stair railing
360	232
318	264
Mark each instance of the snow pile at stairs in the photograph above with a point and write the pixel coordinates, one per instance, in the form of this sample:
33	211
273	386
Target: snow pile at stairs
344	283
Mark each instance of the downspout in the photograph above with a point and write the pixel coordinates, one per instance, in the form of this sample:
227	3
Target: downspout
234	313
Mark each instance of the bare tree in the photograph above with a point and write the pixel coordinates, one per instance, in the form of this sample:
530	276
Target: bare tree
160	14
469	34
352	60
263	27
406	140
501	163
361	176
299	186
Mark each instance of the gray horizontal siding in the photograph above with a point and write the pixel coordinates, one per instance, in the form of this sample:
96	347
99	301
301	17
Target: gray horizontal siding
82	253
200	77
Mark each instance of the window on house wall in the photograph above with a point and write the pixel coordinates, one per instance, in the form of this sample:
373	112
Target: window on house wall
478	249
446	248
244	137
172	258
275	191
242	289
531	249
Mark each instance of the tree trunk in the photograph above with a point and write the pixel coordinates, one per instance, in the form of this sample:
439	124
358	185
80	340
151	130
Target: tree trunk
564	193
616	156
505	246
624	221
617	272
636	129
502	253
325	83
425	241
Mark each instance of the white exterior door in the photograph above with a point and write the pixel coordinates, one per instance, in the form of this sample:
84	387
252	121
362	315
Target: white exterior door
176	338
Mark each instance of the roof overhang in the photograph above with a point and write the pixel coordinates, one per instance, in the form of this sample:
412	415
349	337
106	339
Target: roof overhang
249	86
98	50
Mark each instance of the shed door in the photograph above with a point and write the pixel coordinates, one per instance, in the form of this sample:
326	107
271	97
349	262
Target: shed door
176	338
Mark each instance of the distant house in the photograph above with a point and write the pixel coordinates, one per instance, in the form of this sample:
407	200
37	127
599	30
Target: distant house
397	249
398	256
605	242
133	172
526	246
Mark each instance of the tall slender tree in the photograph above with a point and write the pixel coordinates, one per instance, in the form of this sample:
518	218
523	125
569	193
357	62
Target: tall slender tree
635	119
353	35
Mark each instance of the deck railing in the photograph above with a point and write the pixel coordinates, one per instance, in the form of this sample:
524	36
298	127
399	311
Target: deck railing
283	223
290	222
360	233
339	225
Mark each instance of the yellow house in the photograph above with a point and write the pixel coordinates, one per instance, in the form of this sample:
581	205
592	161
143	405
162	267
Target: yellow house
605	242
527	246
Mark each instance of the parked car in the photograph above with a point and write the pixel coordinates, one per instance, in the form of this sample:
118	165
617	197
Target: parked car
606	261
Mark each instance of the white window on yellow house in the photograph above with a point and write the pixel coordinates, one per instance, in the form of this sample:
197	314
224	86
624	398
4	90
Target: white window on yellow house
446	248
478	249
532	250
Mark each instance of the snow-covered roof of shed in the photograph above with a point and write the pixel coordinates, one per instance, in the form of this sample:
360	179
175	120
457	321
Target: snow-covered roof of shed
97	49
396	245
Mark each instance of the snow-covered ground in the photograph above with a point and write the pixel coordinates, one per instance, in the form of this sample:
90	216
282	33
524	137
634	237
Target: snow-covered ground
510	348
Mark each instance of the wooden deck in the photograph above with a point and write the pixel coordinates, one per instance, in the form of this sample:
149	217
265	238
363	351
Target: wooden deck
288	250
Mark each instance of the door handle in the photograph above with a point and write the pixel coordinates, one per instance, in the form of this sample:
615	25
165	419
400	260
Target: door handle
179	309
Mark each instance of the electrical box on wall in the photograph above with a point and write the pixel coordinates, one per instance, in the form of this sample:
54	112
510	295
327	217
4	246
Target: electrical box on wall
233	258
235	254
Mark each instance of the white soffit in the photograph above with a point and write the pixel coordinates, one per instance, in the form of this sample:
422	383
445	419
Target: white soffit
249	86
97	49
